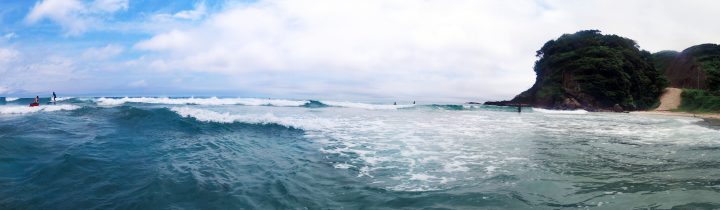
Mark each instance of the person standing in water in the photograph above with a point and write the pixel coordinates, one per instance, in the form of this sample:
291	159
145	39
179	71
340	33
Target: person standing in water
54	97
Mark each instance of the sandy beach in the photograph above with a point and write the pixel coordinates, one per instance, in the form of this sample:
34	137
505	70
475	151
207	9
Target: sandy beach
670	100
715	116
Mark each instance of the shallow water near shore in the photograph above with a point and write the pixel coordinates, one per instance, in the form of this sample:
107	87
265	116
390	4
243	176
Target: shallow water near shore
234	153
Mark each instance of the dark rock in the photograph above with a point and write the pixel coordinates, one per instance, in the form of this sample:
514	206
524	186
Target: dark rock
618	108
499	103
571	103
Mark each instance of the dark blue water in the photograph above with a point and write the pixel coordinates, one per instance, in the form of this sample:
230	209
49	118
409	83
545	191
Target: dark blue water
127	157
151	156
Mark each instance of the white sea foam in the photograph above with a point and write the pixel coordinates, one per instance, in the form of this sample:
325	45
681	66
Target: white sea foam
63	98
342	166
42	108
547	111
268	118
365	105
423	150
201	101
9	99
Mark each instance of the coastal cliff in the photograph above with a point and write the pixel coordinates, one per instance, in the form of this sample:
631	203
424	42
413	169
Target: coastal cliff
591	71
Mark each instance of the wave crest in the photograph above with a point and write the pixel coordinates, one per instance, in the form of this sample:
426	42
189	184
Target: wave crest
547	111
201	101
27	109
268	118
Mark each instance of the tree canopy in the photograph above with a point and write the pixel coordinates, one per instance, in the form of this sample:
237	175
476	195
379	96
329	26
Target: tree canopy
595	70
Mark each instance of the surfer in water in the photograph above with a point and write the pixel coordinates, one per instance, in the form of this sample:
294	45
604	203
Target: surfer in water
54	97
36	102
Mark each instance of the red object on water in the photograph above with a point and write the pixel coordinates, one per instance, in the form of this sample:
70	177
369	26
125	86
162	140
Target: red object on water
34	104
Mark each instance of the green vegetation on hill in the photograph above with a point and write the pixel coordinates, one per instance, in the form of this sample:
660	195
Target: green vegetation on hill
708	58
697	67
663	59
699	101
593	71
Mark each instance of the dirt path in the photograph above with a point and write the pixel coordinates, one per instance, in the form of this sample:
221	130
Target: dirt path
670	99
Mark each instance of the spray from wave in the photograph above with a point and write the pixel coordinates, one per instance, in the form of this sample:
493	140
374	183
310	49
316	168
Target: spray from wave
27	109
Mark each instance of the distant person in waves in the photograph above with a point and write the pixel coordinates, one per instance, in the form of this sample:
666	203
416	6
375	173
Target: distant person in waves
394	103
36	102
54	97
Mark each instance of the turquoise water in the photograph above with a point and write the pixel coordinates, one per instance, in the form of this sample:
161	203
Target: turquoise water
236	153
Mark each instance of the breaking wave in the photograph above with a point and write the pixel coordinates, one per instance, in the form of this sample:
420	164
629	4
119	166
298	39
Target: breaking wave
201	101
268	118
27	109
547	111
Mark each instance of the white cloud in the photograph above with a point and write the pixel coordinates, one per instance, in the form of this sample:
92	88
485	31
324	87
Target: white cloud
166	41
410	48
35	70
73	15
103	53
109	5
64	12
462	49
10	36
655	24
137	84
8	55
197	13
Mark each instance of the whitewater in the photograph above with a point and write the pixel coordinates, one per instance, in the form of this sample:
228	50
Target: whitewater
254	153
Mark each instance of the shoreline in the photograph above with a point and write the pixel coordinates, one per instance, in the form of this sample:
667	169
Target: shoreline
710	119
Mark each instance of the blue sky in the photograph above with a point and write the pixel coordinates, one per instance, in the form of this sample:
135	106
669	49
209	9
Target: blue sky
373	49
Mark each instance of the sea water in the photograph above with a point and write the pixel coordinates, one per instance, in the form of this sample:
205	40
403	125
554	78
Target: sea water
245	153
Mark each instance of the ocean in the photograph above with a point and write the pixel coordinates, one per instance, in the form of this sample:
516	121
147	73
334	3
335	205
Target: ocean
245	153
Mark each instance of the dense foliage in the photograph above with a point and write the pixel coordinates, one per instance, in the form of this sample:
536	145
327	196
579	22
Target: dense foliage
699	101
708	58
663	59
595	70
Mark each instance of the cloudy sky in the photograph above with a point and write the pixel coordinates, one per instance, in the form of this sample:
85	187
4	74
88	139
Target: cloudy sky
431	50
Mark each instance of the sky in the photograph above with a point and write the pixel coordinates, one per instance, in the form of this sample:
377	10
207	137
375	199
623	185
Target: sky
425	50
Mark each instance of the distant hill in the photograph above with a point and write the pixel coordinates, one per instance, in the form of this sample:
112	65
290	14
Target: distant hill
663	59
697	67
595	72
